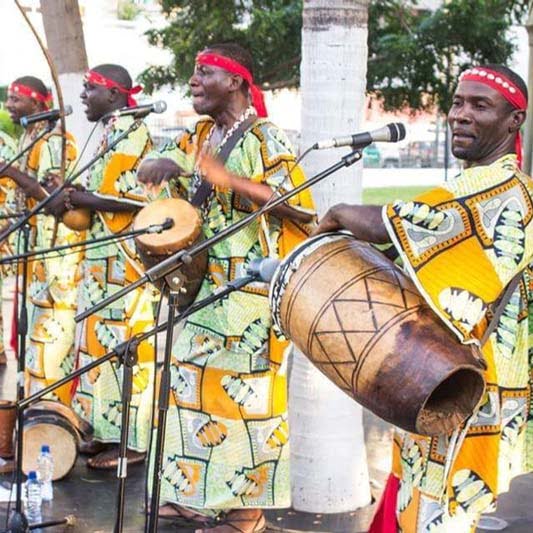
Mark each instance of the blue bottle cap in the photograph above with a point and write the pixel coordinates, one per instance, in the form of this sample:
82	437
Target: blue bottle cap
32	474
45	448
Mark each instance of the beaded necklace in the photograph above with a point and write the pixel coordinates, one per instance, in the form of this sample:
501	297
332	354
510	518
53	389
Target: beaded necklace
206	147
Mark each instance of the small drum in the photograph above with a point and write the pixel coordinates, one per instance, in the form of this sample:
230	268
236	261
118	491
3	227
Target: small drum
55	424
8	417
155	247
363	323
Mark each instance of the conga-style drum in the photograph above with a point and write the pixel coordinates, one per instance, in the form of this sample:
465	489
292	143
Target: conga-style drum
8	417
155	247
55	424
361	321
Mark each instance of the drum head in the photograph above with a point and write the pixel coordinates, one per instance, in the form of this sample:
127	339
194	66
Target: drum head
55	431
186	229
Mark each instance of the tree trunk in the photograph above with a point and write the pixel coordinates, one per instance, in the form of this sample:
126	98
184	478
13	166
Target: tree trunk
328	458
65	41
527	146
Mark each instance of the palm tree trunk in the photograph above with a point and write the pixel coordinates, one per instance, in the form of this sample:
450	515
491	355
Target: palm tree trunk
328	458
65	41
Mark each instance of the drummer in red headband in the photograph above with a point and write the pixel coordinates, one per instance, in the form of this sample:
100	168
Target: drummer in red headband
463	244
111	196
226	454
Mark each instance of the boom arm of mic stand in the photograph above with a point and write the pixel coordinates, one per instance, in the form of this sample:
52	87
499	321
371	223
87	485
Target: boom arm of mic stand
14	227
117	236
122	348
175	261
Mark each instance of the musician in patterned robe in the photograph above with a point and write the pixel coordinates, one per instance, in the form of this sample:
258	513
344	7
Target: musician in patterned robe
226	443
110	191
52	287
8	149
462	243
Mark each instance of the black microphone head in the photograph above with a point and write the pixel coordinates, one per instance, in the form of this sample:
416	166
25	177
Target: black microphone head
397	131
159	107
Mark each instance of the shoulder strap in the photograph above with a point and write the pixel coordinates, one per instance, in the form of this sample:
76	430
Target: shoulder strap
204	190
504	300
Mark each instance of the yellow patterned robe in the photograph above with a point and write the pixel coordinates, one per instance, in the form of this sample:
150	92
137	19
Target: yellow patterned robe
462	243
52	287
108	268
226	442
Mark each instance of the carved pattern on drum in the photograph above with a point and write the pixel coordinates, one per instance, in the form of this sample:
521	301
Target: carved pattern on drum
355	317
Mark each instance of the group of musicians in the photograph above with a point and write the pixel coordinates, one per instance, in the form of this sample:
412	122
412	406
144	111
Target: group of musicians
226	454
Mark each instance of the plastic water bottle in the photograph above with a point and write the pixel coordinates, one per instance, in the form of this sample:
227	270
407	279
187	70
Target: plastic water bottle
33	499
45	463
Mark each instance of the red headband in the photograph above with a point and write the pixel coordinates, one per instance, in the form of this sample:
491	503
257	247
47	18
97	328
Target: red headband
230	65
24	90
96	78
502	84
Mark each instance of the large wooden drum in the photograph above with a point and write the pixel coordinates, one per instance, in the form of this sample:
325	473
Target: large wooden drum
363	323
55	424
155	247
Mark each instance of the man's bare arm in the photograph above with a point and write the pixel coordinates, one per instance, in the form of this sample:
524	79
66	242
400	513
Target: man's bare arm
364	221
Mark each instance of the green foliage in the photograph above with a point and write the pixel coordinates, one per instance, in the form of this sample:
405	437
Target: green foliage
6	124
270	29
127	10
384	195
414	55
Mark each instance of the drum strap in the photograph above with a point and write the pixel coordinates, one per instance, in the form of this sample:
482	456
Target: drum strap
205	188
504	300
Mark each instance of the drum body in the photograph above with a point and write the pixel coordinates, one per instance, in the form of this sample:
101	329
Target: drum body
361	320
8	417
55	424
185	232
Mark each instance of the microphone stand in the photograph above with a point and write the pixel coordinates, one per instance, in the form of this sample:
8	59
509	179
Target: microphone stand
126	352
5	233
175	261
18	522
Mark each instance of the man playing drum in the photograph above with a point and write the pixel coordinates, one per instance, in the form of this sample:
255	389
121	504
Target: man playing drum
462	243
226	452
112	194
52	287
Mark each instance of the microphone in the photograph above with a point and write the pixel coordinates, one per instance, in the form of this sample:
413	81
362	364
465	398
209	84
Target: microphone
263	268
159	228
140	111
391	133
51	116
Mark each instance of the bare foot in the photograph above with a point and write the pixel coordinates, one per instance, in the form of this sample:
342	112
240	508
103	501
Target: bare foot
92	447
240	521
173	510
108	459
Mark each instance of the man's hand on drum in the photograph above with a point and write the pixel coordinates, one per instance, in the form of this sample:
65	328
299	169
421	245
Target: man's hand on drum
153	173
364	221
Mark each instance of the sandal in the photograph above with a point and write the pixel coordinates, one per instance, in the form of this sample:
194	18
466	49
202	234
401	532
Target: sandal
108	459
227	524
